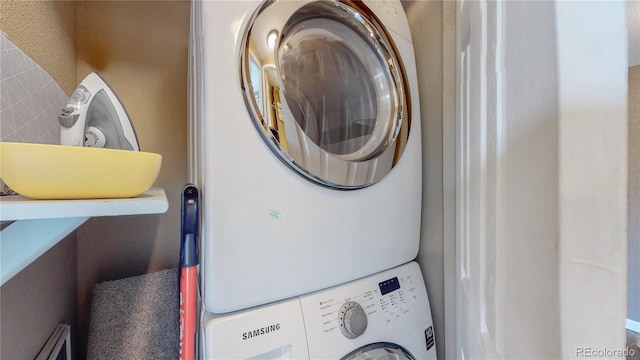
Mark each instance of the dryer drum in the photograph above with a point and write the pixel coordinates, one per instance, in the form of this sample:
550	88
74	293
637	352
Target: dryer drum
329	95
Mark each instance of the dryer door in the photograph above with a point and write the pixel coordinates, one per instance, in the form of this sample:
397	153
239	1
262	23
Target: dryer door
379	351
326	90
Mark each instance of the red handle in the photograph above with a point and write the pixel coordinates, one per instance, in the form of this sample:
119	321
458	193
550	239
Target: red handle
188	312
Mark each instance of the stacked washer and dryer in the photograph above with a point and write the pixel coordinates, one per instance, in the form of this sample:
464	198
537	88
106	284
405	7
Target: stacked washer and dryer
306	144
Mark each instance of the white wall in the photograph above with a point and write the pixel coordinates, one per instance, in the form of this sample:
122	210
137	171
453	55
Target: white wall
633	291
593	75
541	178
507	181
425	20
432	26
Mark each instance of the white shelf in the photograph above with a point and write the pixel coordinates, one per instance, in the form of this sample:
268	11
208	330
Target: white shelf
24	241
18	207
40	224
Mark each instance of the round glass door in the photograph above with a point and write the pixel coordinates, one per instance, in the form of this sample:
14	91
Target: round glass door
326	90
379	351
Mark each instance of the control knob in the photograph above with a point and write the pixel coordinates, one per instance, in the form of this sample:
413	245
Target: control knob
352	319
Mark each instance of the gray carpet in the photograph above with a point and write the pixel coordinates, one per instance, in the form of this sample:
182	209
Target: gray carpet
135	318
633	345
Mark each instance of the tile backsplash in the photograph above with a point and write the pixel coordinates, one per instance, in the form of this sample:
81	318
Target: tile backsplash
30	99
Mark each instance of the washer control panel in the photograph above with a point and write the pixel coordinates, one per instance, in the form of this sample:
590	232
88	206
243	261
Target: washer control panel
391	302
396	299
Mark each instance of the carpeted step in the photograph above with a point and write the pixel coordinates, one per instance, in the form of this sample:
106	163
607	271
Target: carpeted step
135	318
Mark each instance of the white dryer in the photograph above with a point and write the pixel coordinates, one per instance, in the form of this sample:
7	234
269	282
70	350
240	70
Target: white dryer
385	316
306	144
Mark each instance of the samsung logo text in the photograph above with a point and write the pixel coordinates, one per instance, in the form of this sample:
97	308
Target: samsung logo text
262	331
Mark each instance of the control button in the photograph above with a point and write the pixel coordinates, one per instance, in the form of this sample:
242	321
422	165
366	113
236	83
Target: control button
353	320
80	95
94	137
66	120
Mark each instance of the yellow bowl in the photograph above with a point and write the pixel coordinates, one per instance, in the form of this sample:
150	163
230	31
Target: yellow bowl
41	171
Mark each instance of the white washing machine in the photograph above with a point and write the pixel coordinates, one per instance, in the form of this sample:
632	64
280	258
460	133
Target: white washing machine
384	316
305	143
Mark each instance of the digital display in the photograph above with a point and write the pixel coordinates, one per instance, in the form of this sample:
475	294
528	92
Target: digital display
389	286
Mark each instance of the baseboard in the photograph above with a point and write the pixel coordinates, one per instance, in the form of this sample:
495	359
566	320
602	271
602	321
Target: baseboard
633	325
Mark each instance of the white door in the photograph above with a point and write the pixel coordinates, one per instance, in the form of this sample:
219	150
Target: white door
541	169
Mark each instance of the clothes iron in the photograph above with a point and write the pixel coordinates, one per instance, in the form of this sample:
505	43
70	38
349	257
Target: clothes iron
95	117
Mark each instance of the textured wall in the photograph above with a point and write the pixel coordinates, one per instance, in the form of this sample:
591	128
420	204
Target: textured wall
43	294
38	298
633	31
46	31
141	48
634	195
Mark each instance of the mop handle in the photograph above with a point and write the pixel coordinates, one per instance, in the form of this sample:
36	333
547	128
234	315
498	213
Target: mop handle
188	311
189	271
